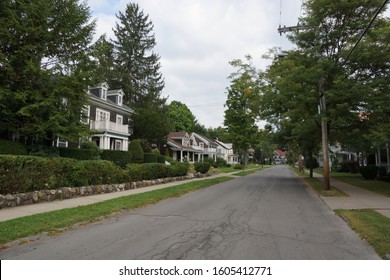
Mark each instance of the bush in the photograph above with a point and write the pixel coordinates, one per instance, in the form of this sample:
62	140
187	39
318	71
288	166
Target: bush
43	151
28	173
382	172
349	166
202	167
12	148
369	172
120	158
221	162
161	159
151	171
239	166
80	154
150	158
137	154
314	162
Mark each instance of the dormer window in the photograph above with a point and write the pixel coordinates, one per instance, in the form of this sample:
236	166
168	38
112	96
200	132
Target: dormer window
104	94
120	100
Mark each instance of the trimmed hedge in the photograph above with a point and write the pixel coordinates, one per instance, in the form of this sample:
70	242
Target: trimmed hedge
80	154
369	172
136	151
151	171
12	148
120	158
161	159
27	173
202	167
150	158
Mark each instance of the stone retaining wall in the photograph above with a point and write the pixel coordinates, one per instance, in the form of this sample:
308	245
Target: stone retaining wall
13	200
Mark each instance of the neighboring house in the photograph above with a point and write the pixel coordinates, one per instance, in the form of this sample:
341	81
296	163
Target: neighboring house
207	147
225	151
180	146
108	118
280	157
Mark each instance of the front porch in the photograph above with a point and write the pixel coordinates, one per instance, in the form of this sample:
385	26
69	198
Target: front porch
108	141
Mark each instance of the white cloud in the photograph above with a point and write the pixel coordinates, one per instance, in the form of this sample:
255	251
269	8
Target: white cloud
196	40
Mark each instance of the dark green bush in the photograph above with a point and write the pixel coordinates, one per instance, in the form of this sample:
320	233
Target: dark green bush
80	154
369	172
120	158
348	166
314	162
238	166
202	167
150	158
12	148
382	172
151	171
28	173
221	162
161	159
137	153
43	151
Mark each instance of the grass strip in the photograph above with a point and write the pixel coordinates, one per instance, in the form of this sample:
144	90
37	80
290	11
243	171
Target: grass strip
244	173
377	186
52	221
318	186
371	226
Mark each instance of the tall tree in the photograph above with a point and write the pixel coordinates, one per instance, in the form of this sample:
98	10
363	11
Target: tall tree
44	67
137	71
240	117
181	117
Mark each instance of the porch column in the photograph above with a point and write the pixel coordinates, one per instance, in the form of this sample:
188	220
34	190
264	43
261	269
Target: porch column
106	142
125	146
181	156
101	143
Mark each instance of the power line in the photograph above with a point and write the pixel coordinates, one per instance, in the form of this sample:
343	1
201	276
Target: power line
364	32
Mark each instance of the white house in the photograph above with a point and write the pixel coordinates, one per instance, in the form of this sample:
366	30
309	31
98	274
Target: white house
225	151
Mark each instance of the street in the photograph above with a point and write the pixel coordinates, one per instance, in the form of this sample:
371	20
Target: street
267	215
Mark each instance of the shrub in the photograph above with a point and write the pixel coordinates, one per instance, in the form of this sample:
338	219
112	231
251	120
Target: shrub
221	162
349	166
369	172
161	159
150	157
382	172
120	158
80	154
202	167
137	154
239	166
314	162
43	151
28	173
12	148
151	171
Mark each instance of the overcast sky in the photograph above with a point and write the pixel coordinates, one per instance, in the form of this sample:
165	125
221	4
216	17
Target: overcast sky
196	39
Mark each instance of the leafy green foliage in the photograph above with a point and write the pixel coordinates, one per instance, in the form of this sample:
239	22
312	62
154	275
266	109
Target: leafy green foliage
12	148
150	157
202	167
27	173
120	158
44	68
136	151
181	117
369	172
151	171
80	154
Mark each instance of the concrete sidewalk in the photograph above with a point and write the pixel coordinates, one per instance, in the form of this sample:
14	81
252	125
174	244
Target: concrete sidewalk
358	198
27	210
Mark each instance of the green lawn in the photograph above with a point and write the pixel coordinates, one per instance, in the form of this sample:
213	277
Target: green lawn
317	186
357	180
371	226
52	221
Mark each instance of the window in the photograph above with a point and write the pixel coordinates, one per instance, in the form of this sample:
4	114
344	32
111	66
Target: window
119	119
201	145
103	92
85	114
120	100
102	115
118	145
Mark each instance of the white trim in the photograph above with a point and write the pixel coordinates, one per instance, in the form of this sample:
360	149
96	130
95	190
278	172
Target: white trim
102	115
119	119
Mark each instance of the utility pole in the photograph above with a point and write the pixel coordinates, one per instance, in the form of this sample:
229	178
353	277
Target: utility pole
324	120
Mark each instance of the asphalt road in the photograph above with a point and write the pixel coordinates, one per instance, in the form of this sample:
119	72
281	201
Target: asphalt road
267	215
